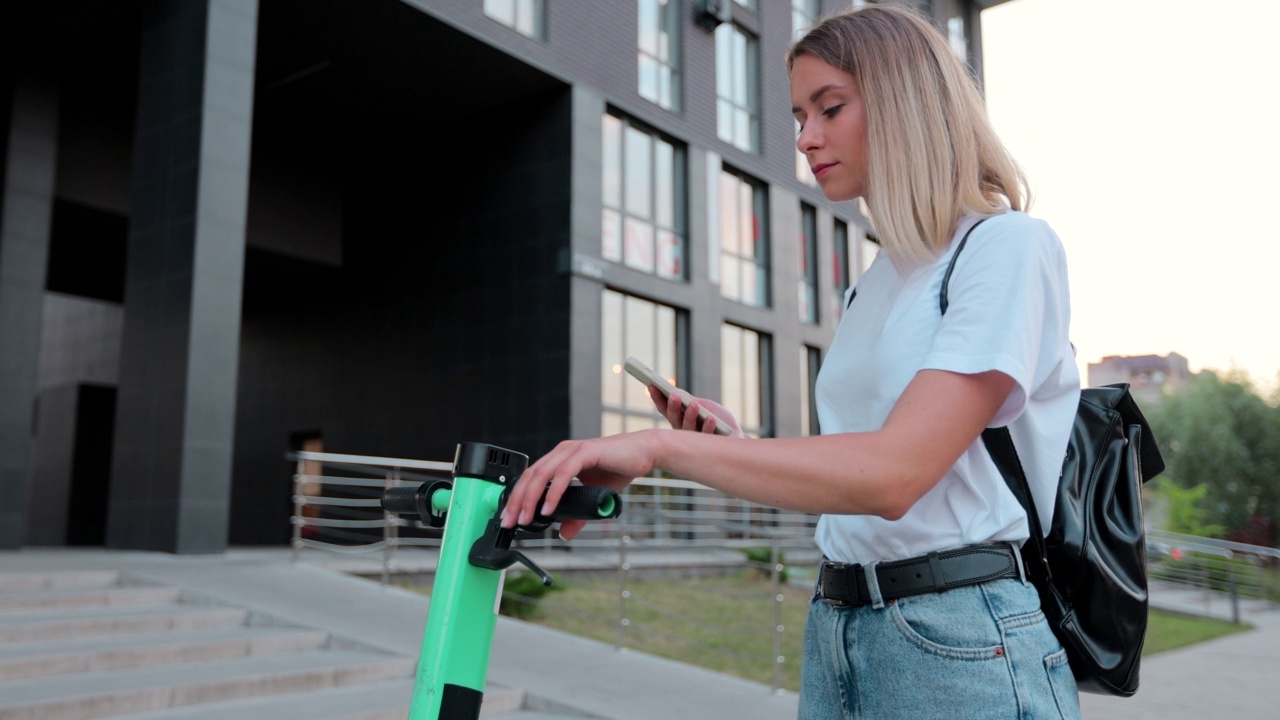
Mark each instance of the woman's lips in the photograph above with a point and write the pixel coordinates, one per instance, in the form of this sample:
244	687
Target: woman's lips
821	169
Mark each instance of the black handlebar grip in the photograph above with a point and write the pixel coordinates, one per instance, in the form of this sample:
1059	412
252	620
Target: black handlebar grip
402	500
583	502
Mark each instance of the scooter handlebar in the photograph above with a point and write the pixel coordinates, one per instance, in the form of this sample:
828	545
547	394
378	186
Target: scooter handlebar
584	502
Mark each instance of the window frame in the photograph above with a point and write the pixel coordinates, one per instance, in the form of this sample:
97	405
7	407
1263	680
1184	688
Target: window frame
537	24
730	238
808	275
668	22
631	407
740	78
736	399
617	212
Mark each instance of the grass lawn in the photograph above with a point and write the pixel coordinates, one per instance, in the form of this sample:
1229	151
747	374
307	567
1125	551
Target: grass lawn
1169	631
725	623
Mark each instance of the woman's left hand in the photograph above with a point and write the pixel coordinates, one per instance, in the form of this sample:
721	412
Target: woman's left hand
611	462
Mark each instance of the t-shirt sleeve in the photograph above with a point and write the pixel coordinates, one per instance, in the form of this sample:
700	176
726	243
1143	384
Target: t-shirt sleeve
1009	308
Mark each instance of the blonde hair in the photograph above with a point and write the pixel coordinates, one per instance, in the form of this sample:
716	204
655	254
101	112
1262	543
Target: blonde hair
933	156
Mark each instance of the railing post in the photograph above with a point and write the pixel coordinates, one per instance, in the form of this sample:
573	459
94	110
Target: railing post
388	542
298	476
623	593
775	574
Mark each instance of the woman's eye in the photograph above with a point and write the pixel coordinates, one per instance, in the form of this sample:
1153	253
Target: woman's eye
832	111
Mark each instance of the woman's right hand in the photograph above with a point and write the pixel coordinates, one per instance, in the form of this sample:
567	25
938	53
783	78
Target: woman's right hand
682	412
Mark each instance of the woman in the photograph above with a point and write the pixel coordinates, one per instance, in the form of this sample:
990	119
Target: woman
921	610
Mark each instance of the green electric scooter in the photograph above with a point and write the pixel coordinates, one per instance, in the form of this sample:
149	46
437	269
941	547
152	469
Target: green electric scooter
474	553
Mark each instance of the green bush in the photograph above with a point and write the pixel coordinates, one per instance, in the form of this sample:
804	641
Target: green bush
761	559
521	592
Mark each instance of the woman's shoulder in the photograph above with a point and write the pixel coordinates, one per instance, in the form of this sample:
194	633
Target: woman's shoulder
1016	233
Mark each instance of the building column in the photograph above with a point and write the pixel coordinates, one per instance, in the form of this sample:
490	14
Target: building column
175	418
24	256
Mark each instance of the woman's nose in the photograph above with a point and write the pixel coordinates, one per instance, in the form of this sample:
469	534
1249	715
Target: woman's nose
808	138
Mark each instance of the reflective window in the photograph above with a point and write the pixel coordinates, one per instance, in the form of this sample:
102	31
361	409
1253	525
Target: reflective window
810	362
744	247
840	275
737	88
643	187
958	36
523	16
803	15
803	172
633	326
852	258
808	246
659	58
745	377
867	251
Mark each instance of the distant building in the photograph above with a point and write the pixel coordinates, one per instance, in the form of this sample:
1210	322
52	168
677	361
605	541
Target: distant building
1150	377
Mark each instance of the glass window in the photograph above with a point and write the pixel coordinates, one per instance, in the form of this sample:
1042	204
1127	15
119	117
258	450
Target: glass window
841	277
745	377
658	58
737	91
643	191
633	326
803	173
867	251
744	247
808	264
958	36
803	15
523	16
810	362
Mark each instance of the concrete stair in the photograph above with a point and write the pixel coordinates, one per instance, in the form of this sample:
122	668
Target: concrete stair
79	645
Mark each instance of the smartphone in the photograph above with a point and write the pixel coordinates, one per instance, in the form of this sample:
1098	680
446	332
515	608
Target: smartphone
644	374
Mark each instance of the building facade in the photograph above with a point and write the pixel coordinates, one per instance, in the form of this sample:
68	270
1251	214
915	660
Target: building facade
1150	377
231	228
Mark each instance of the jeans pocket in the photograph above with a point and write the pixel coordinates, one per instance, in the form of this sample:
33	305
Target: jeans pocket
1063	684
956	625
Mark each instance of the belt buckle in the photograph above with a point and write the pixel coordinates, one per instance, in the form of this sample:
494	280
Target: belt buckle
822	577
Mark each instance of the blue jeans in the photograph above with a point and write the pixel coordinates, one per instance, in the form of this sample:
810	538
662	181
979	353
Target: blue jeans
981	651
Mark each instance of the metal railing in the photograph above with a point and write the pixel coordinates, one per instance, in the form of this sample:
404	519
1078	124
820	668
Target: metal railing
340	512
1233	569
336	509
343	513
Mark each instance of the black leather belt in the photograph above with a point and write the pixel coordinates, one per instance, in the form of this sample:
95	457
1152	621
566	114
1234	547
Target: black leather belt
846	584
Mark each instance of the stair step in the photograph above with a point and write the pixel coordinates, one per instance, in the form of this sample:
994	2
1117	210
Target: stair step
77	655
32	626
93	597
57	580
104	694
374	701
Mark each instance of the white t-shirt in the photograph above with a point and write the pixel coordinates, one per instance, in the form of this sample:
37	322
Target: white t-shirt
1009	310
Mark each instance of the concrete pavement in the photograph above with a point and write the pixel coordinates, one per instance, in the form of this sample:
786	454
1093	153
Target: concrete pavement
1233	677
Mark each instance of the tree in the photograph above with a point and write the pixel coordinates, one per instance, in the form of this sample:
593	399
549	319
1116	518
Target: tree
1184	508
1220	433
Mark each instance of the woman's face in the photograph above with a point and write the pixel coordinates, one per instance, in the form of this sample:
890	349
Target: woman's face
827	102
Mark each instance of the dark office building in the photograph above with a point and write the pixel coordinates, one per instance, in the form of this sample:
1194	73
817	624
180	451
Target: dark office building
234	227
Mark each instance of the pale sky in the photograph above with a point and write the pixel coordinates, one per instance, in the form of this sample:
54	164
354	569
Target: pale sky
1150	131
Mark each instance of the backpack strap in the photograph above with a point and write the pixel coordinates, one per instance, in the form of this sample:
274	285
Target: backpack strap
999	444
946	279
